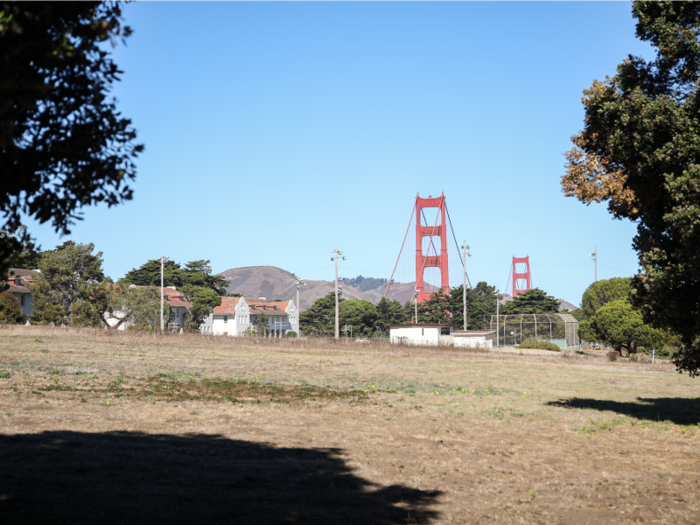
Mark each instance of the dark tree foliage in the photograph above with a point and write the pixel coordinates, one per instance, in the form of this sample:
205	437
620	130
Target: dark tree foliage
534	301
63	143
195	273
640	151
204	300
481	305
24	254
621	326
148	274
360	314
436	309
603	292
391	312
71	289
444	308
319	320
10	309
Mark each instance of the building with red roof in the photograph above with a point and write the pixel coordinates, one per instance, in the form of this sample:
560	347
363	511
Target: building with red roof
237	316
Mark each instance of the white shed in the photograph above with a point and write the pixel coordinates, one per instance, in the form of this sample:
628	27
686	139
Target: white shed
473	338
424	334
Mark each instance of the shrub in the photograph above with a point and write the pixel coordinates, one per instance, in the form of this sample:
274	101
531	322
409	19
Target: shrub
667	351
291	333
10	310
539	345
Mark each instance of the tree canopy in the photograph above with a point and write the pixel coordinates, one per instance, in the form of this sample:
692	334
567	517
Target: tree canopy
360	314
600	293
71	289
319	320
441	307
23	253
10	309
640	151
621	326
195	273
204	300
392	312
534	301
140	307
63	143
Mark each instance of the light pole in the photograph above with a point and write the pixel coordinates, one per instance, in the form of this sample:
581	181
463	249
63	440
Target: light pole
464	285
336	255
300	283
498	303
415	302
163	258
595	259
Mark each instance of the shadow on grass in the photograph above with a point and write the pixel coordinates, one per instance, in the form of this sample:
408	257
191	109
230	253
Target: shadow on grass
128	477
679	410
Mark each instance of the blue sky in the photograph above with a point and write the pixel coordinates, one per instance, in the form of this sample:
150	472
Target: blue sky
276	131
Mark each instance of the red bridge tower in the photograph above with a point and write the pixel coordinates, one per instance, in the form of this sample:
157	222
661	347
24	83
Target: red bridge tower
438	229
522	282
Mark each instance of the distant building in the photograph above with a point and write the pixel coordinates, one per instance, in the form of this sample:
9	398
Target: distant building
178	305
19	281
230	318
237	315
423	334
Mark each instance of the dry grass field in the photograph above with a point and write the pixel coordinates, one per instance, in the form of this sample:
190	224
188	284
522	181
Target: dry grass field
101	427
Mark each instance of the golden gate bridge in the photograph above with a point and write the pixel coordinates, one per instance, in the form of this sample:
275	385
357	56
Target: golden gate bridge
423	264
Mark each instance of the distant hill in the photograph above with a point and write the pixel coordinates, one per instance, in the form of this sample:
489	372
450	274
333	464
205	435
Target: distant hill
273	283
566	306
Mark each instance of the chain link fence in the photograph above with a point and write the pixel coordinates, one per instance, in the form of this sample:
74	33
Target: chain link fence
559	329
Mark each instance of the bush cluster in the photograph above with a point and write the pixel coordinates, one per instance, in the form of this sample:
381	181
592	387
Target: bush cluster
10	310
539	345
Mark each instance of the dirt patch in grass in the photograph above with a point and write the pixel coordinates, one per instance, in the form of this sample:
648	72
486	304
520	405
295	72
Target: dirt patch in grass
109	427
168	387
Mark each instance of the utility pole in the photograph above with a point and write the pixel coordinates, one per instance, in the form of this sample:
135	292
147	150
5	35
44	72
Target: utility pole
336	255
415	302
464	285
163	258
498	303
595	259
300	283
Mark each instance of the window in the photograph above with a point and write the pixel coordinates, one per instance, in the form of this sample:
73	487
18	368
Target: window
226	319
445	330
21	300
422	331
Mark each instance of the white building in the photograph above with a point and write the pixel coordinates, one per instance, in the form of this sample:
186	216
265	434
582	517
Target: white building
231	318
473	338
423	334
19	281
236	315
